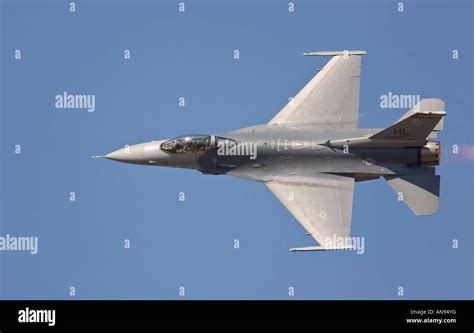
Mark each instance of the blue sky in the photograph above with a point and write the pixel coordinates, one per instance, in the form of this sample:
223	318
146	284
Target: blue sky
190	244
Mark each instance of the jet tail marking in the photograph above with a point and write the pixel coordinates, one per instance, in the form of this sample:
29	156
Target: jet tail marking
417	124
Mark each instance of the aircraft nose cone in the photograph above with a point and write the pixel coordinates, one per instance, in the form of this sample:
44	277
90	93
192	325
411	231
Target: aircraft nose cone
132	154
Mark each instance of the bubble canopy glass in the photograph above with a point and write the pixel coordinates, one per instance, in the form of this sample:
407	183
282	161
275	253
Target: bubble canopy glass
193	143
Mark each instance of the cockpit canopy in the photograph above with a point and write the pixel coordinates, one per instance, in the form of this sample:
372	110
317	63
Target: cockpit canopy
194	143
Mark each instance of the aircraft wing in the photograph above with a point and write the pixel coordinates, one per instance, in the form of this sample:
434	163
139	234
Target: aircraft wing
323	208
331	98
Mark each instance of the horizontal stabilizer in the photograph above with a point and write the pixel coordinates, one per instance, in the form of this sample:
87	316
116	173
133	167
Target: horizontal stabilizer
417	124
426	105
419	192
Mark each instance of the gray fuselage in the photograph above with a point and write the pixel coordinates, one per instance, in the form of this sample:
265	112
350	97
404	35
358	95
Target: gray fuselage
276	152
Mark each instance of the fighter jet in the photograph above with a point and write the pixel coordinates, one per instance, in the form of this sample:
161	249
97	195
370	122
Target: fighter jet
312	152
